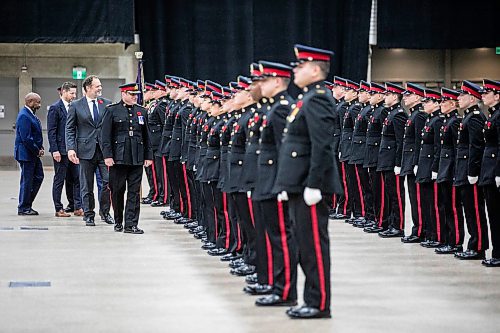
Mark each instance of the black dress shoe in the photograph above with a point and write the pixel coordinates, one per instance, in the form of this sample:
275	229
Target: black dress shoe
430	244
133	230
200	235
258	289
411	239
448	249
493	262
390	233
69	209
89	222
208	246
108	219
191	225
339	216
252	279
158	204
308	312
470	255
146	201
236	263
30	212
374	230
230	256
274	300
351	220
217	251
243	270
118	227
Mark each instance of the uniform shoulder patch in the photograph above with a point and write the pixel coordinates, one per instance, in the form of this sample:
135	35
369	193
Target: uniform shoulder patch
284	102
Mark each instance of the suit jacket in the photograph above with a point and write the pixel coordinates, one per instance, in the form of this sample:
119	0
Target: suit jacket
56	127
29	138
82	133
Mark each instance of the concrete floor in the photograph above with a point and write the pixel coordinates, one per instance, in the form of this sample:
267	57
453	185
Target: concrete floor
102	281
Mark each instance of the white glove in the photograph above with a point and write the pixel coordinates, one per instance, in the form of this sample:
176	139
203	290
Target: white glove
472	180
194	167
312	196
397	170
249	194
434	175
497	180
415	169
284	196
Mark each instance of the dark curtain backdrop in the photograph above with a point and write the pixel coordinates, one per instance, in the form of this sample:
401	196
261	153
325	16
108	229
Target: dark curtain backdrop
200	39
438	24
63	21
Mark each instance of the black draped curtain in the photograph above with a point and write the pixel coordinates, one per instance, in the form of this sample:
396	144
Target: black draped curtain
200	39
438	24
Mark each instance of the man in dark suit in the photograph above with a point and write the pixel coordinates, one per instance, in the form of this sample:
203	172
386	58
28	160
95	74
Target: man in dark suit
83	127
56	130
28	150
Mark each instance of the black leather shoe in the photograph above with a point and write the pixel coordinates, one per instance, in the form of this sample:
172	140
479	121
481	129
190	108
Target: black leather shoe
258	289
308	312
230	256
243	270
146	201
217	252
208	246
236	263
391	233
200	235
351	220
411	239
182	220
69	209
89	222
30	212
133	230
191	225
493	262
158	204
274	300
118	227
108	219
251	279
448	249
339	216
374	230
430	244
470	255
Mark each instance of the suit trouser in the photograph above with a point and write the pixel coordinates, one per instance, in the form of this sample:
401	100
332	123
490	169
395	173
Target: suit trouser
366	190
451	209
395	199
338	200
192	194
87	171
353	188
428	208
162	179
220	216
31	180
151	181
284	250
185	189
173	181
233	242
63	172
379	202
72	186
264	267
416	206
492	197
310	227
128	177
209	212
344	202
245	220
200	201
475	217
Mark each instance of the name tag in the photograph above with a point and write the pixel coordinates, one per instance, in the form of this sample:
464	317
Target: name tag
141	120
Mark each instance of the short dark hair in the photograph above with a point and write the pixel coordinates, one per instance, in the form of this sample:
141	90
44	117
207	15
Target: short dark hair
324	66
66	86
88	81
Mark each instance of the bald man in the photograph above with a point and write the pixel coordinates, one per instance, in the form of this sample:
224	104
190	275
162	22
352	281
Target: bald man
28	151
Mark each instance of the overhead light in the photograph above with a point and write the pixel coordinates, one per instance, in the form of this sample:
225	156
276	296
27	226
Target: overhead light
24	68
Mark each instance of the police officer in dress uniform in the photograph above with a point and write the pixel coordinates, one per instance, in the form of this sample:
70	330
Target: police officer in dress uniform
151	172
126	149
308	176
489	178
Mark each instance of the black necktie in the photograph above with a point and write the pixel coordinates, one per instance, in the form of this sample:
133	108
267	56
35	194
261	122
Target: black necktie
95	111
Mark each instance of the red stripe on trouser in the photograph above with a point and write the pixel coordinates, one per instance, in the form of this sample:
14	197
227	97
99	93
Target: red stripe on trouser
216	222
154	181
436	209
334	201
181	202
478	220
226	217
187	189
238	245
165	180
319	257
455	215
360	190
286	253
346	193
419	209
400	204
382	199
269	249
250	208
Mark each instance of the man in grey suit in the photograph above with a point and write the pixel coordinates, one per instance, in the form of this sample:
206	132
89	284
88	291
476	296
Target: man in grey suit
83	128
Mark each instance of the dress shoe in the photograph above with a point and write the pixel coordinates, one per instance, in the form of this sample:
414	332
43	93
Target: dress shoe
133	230
339	216
191	225
470	255
200	235
146	201
350	221
448	249
158	204
411	239
307	312
493	262
78	212
274	300
208	246
243	270
217	251
204	239
236	263
430	244
374	230
69	209
258	289
182	220
62	213
89	221
108	219
251	279
391	232
197	230
30	212
118	227
230	256
363	224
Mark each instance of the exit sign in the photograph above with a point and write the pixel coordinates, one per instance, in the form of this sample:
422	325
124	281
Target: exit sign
498	50
79	73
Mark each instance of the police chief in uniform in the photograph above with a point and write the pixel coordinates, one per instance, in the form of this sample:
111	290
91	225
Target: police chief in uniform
126	149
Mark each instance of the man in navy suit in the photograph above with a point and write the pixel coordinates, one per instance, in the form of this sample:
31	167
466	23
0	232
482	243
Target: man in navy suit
28	150
63	169
83	127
